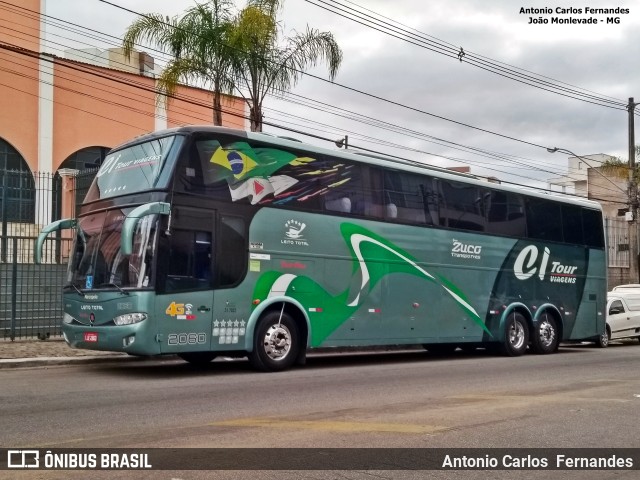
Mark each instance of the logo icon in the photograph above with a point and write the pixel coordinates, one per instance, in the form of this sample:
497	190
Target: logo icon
295	229
23	458
530	262
466	250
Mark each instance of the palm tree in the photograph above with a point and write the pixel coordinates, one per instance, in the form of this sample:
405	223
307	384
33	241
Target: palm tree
199	44
262	65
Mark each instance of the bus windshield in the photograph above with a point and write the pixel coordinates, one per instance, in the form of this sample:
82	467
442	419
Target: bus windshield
132	169
98	261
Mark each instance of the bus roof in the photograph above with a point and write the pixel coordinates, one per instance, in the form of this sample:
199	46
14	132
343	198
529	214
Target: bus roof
381	160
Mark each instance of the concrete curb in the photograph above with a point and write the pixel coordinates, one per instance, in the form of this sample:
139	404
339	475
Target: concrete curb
50	361
6	363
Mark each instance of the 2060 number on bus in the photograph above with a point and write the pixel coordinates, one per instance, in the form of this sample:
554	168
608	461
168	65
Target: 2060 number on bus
187	338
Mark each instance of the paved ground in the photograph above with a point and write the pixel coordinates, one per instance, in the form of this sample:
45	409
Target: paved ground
54	351
27	352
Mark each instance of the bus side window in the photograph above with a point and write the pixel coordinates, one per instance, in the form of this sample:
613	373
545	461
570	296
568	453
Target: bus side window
544	220
189	261
232	251
505	214
403	197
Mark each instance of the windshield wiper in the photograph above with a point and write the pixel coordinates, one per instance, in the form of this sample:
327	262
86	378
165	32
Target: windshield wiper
80	292
123	292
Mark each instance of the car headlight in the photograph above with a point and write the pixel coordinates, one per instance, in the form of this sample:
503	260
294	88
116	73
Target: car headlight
129	318
68	319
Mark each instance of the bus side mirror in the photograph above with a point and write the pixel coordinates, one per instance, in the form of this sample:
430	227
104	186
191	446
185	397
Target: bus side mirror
132	219
52	227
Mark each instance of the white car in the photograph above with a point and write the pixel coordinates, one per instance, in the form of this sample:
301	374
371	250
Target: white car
623	316
629	288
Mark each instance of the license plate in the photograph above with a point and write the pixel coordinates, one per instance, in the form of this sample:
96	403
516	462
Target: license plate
90	337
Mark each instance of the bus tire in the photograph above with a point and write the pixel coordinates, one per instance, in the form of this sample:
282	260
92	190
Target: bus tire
603	340
545	337
198	358
516	336
275	343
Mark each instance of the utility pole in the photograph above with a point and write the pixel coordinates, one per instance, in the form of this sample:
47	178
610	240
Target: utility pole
633	199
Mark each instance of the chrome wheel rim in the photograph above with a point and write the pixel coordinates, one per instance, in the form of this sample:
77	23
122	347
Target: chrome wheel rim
277	342
546	333
516	335
604	338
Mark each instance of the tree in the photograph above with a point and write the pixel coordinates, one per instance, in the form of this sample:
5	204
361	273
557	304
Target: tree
199	43
619	167
263	65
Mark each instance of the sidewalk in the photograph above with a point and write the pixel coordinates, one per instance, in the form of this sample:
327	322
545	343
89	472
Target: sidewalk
53	351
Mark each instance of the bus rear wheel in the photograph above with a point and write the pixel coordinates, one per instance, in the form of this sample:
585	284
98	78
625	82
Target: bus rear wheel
275	343
198	358
516	336
545	338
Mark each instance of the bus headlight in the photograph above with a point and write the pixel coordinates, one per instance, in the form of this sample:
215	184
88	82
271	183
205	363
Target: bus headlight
129	318
68	319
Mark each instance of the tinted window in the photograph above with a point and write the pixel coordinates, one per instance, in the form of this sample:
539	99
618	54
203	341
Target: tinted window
593	228
572	224
133	169
505	214
232	251
616	307
265	175
189	260
463	206
544	220
403	196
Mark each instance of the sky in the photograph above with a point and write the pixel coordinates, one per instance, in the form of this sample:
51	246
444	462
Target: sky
437	109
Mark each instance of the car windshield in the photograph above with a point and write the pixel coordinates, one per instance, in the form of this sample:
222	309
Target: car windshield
97	260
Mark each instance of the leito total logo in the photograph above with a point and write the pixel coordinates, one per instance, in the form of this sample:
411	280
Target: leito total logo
530	262
293	232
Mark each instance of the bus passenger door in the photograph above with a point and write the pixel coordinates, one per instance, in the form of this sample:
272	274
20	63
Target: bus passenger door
184	279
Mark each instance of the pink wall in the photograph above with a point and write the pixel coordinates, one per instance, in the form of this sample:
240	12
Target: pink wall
19	78
92	106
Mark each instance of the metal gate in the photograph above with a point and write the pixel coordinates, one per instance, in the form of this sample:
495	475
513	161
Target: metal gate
30	294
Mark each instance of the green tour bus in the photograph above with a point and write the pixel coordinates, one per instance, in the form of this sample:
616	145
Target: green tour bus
203	241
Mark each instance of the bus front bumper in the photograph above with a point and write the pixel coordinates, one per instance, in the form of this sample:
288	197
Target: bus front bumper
134	339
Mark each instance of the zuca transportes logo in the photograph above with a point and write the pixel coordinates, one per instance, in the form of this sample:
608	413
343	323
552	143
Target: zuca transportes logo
529	262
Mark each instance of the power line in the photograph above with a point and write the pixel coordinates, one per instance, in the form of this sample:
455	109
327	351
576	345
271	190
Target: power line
484	165
445	48
376	97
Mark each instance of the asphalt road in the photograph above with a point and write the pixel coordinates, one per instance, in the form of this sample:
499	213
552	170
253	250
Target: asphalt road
582	397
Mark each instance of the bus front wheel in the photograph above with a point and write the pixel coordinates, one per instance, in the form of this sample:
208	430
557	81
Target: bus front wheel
545	337
275	342
516	336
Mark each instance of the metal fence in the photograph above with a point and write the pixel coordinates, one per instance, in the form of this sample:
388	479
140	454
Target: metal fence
617	230
30	294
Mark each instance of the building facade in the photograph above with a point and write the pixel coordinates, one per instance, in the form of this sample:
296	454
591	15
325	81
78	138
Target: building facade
59	115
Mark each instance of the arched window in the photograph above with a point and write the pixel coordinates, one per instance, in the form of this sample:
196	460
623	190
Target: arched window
86	161
17	187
